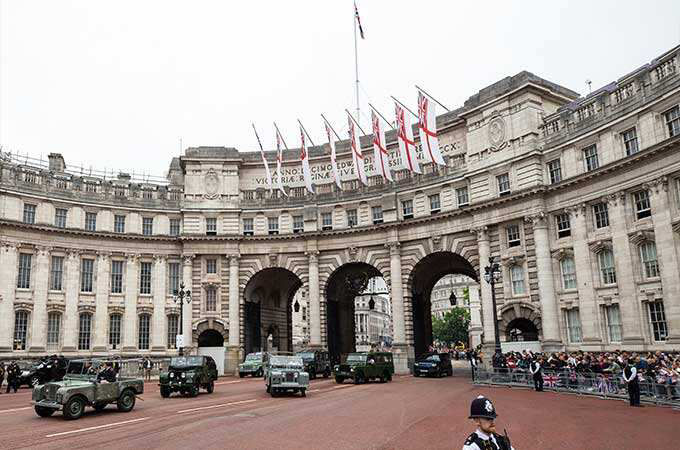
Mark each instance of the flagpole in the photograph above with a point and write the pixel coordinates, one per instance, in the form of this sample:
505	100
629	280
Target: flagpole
331	127
281	136
357	124
303	129
356	59
405	107
381	116
437	101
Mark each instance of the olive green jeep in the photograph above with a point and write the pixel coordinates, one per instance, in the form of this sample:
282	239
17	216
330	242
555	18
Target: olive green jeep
187	374
251	366
365	366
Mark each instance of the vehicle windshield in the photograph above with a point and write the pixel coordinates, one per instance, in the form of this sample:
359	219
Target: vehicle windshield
285	362
432	358
186	361
356	357
306	356
254	357
83	367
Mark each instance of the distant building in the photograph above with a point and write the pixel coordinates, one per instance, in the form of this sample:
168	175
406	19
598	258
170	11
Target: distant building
441	293
373	326
301	332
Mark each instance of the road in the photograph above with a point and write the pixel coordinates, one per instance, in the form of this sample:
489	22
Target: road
406	413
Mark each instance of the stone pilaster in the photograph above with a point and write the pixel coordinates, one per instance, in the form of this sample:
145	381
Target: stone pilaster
314	301
187	268
159	291
234	316
484	249
71	293
8	282
398	316
101	312
39	283
131	294
475	317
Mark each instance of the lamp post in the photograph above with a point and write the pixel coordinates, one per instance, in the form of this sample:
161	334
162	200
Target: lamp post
492	275
181	296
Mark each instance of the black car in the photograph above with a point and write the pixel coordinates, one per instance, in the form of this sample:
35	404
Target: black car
433	364
49	369
317	362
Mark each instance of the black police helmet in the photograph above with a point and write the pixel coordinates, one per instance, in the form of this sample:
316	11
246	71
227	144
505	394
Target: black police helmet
482	408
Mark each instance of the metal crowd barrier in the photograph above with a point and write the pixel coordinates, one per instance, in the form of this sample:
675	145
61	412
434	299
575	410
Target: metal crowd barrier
606	386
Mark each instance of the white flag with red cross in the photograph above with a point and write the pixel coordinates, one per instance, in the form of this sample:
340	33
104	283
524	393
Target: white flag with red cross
304	158
355	146
334	163
427	129
279	161
380	155
407	146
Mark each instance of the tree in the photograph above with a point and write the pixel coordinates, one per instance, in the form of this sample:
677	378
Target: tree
453	327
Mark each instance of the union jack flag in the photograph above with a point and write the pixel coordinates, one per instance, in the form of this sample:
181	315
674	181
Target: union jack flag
356	14
551	380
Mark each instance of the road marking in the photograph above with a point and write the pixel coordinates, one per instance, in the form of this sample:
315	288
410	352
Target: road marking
15	409
314	390
216	406
228	382
342	386
109	425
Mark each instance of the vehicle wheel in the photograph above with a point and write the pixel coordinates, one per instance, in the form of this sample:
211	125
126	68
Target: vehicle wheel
339	380
44	412
34	381
99	406
358	378
74	408
389	376
312	374
269	389
193	392
273	392
327	373
211	387
258	374
303	392
126	401
384	377
451	372
165	392
241	374
415	373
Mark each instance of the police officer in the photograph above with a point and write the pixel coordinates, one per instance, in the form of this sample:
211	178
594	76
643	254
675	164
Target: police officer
472	357
483	413
537	371
13	377
631	378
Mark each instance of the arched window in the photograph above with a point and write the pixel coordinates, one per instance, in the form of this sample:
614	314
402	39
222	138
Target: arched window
114	330
650	264
20	330
53	331
144	326
84	331
173	330
517	278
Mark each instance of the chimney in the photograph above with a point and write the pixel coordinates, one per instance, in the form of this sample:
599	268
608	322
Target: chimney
56	162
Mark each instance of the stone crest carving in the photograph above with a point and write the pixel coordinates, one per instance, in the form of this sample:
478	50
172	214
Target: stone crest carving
437	243
353	253
496	129
273	259
211	184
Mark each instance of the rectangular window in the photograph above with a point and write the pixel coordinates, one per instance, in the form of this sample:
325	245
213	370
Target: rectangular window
24	275
144	325
114	330
116	277
84	331
513	235
56	273
145	278
20	330
650	263
298	224
90	187
590	158
60	218
462	196
672	117
352	220
273	225
613	323
173	277
630	141
503	184
173	330
248	227
574	326
568	273
211	300
555	171
210	226
377	213
601	215
147	194
563	225
657	318
29	213
607	269
435	204
517	279
147	226
211	265
119	224
86	275
643	207
53	331
304	313
174	227
326	221
90	221
407	208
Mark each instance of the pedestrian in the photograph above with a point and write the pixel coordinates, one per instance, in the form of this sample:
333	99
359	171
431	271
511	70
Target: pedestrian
2	375
537	372
147	368
631	378
13	373
483	413
473	362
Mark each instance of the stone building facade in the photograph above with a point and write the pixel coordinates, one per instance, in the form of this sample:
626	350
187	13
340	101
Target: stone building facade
459	285
577	198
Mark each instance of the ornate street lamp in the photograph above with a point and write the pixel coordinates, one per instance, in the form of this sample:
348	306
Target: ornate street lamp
371	303
492	275
296	306
452	298
182	296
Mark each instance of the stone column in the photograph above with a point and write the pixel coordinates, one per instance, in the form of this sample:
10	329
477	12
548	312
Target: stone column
484	249
187	268
159	290
546	284
40	283
475	316
399	347
101	312
71	293
8	281
234	316
314	301
131	294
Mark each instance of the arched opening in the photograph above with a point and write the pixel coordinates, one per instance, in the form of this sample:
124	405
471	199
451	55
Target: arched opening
210	338
268	309
425	275
521	330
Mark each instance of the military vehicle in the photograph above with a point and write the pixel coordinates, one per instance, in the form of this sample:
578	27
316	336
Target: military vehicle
284	373
84	386
365	366
433	364
316	362
187	374
251	366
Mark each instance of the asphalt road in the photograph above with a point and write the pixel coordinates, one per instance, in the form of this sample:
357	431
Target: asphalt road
406	413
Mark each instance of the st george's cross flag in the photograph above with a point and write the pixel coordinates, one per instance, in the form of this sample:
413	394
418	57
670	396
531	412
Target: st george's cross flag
380	155
334	163
407	146
427	129
304	158
355	145
264	160
279	161
356	14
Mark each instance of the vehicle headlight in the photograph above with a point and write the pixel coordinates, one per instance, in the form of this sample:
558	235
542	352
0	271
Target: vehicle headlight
351	369
172	375
336	368
276	373
59	397
184	375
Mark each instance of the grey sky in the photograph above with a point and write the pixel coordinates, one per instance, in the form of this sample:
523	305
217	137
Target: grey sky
116	84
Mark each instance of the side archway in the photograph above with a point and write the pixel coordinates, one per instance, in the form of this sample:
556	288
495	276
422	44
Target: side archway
520	322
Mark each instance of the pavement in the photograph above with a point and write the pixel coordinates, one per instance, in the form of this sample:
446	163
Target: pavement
408	413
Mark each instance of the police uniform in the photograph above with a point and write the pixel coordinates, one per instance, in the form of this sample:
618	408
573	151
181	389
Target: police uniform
482	407
631	378
536	371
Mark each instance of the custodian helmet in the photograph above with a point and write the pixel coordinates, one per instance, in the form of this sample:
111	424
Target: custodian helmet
482	407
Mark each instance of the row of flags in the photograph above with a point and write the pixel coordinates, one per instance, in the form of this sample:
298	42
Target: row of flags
427	133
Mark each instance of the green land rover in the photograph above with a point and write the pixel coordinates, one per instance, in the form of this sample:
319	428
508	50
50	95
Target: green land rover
251	366
187	374
365	366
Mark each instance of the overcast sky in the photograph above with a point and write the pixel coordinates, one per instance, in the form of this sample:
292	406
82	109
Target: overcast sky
116	84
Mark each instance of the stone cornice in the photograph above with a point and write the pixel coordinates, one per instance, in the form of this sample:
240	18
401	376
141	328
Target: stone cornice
562	253
600	245
641	236
85	233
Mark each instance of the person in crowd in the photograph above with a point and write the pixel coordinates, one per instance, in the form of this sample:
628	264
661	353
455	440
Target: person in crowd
536	369
483	413
107	374
13	372
2	375
630	376
472	357
147	364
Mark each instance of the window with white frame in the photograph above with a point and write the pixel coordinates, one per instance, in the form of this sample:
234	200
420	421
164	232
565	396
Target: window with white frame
211	299
657	319
555	171
174	227
377	213
517	279
144	331
613	316
273	225
210	225
211	265
60	217
601	215
326	221
630	141
57	273
174	277
513	234
590	158
116	276
86	275
90	221
672	117
407	208
563	225
119	224
568	270
114	330
29	213
650	264
298	224
173	330
435	203
573	325
352	219
147	226
145	278
53	331
20	330
462	196
503	182
24	275
248	226
84	331
607	269
643	207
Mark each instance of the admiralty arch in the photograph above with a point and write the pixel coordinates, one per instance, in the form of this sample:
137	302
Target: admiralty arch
577	198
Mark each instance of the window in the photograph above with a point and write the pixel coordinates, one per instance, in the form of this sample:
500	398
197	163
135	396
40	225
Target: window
555	171
650	264
53	331
563	225
114	330
174	227
273	225
248	227
657	317
147	226
173	330
326	221
86	275
503	184
119	224
601	215
568	273
210	226
116	277
90	221
20	330
211	299
145	278
352	220
304	313
29	213
613	323
630	141
173	277
407	208
24	278
298	224
513	235
573	326
673	121
377	213
56	273
84	331
517	279
211	265
462	196
606	259
435	203
144	324
642	205
590	158
60	218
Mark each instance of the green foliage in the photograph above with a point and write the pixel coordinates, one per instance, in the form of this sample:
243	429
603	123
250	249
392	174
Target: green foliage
453	327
